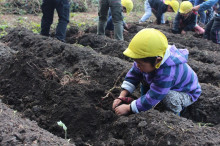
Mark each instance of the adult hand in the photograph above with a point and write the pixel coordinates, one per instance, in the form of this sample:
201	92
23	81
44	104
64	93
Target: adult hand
122	109
183	32
196	8
116	102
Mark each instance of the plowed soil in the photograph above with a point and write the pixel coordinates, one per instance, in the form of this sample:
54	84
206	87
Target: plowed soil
46	81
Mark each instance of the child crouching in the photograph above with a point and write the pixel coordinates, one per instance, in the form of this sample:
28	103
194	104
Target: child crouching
164	68
185	20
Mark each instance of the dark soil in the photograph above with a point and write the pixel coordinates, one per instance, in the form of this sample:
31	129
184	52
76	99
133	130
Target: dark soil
48	81
15	130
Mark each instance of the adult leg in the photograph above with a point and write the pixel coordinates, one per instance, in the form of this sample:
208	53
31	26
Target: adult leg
63	10
47	7
117	18
215	30
147	13
176	101
103	14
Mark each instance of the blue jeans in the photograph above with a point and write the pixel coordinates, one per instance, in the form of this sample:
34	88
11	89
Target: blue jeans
148	13
62	7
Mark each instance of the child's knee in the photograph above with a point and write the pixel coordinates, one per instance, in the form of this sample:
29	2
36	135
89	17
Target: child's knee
172	102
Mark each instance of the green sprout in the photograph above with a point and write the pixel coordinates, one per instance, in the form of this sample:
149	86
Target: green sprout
61	124
14	112
169	18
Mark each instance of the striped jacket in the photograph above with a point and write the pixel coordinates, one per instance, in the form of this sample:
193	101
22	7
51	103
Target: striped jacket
173	74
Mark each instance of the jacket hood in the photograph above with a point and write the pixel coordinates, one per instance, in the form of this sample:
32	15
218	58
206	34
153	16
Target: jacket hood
177	56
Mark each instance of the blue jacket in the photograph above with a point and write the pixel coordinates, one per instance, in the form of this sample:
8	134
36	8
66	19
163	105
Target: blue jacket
208	4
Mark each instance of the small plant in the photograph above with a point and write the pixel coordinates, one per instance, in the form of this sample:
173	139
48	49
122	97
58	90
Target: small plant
14	112
35	27
205	124
61	124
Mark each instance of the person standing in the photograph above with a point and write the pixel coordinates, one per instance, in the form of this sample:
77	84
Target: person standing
63	8
117	17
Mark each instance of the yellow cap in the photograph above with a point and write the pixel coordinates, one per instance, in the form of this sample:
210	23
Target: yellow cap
128	4
148	42
174	4
185	7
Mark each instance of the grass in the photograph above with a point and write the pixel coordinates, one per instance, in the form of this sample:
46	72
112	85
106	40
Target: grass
82	20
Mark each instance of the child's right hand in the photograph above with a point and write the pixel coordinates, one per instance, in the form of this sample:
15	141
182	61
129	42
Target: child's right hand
116	102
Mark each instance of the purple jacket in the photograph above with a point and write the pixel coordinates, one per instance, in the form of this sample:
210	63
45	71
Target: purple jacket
173	74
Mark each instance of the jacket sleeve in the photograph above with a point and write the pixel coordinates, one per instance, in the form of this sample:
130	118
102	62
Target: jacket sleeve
176	24
208	4
132	79
158	90
191	24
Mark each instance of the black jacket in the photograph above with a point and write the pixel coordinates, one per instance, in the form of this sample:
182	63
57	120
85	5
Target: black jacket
158	8
186	24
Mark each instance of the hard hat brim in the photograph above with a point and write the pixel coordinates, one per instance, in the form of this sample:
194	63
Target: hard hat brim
129	53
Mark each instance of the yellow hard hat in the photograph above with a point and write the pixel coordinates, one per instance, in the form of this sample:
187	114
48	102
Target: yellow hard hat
174	4
185	7
148	42
128	4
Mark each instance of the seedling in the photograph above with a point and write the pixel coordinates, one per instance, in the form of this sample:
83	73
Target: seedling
205	124
61	124
14	112
170	21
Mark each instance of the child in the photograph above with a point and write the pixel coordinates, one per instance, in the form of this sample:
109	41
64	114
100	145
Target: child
185	20
127	6
159	7
212	30
164	68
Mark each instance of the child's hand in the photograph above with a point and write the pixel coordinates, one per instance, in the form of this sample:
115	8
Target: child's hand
116	102
122	109
183	32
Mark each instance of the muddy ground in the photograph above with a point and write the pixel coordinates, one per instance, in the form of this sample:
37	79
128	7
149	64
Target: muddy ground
47	81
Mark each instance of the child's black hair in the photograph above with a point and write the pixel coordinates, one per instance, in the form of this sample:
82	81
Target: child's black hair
151	60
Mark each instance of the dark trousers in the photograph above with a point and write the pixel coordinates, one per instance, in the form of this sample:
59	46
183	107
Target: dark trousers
62	7
212	30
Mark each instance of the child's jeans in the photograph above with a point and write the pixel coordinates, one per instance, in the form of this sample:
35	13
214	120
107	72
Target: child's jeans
174	101
212	30
147	13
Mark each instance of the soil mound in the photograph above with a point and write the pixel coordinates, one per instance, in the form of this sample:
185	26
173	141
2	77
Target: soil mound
48	81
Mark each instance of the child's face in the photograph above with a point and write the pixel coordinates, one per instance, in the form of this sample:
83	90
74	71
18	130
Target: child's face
169	9
187	14
144	66
124	10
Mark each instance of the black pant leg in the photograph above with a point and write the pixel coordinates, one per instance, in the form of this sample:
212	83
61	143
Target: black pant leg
47	7
63	10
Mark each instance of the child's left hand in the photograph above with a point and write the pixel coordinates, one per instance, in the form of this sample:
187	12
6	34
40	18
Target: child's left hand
122	109
183	32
